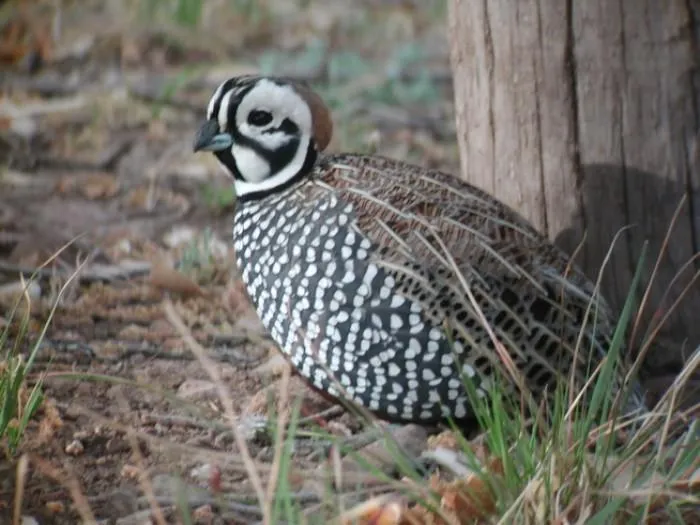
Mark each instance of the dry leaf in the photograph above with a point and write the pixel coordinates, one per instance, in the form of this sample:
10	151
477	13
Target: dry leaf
167	278
23	35
469	499
312	402
445	439
99	186
140	198
383	510
131	51
461	501
157	130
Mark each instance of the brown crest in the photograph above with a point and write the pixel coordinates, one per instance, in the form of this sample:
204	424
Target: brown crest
320	114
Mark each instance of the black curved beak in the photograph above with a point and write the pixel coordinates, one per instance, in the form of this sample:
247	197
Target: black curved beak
208	138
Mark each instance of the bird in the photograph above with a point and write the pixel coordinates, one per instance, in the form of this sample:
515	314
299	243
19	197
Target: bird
389	285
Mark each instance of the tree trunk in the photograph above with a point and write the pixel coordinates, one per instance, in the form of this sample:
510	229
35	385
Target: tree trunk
583	115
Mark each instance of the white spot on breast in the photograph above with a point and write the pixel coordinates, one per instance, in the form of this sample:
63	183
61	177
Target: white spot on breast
397	301
413	349
435	334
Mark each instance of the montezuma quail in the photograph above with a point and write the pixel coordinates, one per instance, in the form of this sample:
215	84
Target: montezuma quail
359	266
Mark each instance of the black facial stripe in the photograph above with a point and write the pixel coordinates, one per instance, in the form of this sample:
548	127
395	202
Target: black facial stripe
227	159
239	86
240	91
282	156
289	127
309	162
277	158
228	85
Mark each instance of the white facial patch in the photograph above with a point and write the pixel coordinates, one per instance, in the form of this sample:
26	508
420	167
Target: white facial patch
222	117
214	98
252	166
271	141
282	101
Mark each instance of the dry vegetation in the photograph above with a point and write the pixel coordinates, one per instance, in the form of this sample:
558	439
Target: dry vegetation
137	385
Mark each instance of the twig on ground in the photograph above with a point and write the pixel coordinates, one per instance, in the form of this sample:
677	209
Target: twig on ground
143	480
330	412
71	483
226	401
90	274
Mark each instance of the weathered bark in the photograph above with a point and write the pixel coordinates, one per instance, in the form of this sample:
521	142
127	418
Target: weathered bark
583	115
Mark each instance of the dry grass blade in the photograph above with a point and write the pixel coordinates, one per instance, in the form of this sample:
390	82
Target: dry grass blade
282	417
227	403
690	263
71	483
670	396
647	344
662	251
506	360
143	480
20	483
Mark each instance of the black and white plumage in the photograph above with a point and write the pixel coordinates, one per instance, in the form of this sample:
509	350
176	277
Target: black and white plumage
359	266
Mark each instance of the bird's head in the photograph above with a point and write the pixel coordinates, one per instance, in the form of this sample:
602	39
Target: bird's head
265	131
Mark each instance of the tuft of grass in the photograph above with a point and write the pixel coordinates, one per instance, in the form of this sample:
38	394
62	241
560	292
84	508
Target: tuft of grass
186	13
218	199
198	260
172	87
18	402
189	14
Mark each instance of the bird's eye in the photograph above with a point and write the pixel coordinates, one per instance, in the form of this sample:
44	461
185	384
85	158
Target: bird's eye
259	117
